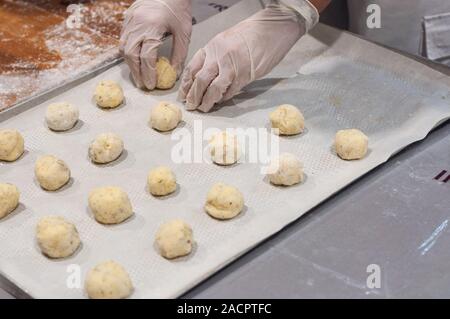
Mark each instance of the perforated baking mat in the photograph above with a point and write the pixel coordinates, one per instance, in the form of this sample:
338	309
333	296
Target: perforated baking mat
395	101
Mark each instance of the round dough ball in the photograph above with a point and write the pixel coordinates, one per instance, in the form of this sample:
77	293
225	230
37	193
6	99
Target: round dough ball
11	145
161	181
287	119
9	199
61	116
174	239
286	170
110	205
166	75
351	144
56	237
108	280
108	94
224	148
106	148
165	116
51	172
224	201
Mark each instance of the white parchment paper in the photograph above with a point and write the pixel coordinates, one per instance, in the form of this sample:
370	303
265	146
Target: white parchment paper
342	82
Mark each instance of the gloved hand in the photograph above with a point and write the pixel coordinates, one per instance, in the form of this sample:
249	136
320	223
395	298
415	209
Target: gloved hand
146	22
243	53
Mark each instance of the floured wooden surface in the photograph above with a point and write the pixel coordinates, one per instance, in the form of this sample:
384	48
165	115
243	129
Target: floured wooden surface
38	51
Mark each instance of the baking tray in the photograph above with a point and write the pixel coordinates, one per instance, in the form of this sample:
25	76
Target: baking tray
318	88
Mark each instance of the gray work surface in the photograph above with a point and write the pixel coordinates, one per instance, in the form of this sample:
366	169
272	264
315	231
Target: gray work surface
395	217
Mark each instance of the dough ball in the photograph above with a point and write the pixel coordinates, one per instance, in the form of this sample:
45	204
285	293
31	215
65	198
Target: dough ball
108	280
108	94
224	148
166	75
161	181
287	119
110	205
165	116
174	239
106	148
224	201
61	116
286	170
11	145
56	237
351	144
51	172
9	199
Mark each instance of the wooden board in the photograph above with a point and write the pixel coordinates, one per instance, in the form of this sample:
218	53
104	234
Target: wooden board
38	51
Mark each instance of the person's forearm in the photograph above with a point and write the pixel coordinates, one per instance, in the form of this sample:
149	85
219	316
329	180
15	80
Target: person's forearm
320	4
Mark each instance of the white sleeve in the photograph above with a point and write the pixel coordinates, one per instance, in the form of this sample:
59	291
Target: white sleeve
304	8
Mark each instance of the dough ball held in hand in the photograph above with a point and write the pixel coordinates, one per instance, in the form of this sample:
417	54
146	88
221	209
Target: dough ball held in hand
108	94
161	181
51	172
165	116
351	144
11	145
106	147
224	201
166	75
224	148
174	239
286	170
61	116
56	237
108	280
9	199
288	120
110	205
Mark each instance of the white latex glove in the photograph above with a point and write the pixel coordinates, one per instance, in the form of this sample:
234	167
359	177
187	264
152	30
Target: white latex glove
243	53
146	22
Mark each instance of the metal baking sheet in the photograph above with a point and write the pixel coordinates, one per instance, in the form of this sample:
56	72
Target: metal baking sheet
396	102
